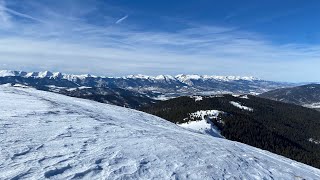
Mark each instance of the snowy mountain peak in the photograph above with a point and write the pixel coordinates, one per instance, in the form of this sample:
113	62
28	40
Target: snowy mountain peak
6	73
184	78
45	74
187	77
164	77
72	77
84	76
57	75
138	76
42	74
31	74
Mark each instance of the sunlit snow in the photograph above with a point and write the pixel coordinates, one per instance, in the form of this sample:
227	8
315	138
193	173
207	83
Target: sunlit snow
201	122
47	135
238	105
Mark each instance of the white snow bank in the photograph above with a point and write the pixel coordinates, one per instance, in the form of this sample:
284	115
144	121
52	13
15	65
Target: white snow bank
201	125
204	125
197	98
313	105
161	98
20	85
244	97
314	141
203	113
47	135
81	87
238	105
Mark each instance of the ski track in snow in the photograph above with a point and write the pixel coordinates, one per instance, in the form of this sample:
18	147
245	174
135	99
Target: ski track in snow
47	135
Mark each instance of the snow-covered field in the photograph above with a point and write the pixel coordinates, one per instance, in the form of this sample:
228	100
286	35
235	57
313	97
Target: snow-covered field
201	122
46	135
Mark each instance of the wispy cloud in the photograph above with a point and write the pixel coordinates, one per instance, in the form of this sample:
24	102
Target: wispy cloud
70	42
4	16
122	19
16	13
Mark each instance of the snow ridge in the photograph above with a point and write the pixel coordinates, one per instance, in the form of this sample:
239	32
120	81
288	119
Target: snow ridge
47	135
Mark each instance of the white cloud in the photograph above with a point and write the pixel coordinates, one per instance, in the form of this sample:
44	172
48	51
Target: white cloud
4	16
68	43
122	19
16	13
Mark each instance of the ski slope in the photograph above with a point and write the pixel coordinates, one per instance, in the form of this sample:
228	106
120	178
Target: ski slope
46	135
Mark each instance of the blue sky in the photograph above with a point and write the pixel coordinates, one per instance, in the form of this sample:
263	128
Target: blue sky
273	40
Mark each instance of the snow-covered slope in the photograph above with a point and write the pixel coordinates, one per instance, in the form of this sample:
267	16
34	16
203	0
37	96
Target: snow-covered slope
201	122
47	135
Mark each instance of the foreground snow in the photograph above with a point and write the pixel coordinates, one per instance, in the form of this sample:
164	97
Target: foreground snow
46	135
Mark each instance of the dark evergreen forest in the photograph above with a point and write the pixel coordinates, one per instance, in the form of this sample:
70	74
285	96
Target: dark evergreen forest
281	128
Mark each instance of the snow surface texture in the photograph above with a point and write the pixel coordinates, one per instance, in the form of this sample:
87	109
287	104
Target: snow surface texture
204	125
47	135
238	105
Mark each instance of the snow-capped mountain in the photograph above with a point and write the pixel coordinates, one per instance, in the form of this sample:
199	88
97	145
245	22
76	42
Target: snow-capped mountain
181	77
47	135
162	86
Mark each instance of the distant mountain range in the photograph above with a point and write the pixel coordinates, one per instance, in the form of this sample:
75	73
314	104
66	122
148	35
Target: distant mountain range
182	78
162	86
145	89
306	95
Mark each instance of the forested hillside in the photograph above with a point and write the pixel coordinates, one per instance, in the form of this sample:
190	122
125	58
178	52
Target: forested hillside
285	129
306	95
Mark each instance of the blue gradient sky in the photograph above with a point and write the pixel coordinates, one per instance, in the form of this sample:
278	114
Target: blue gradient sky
274	40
